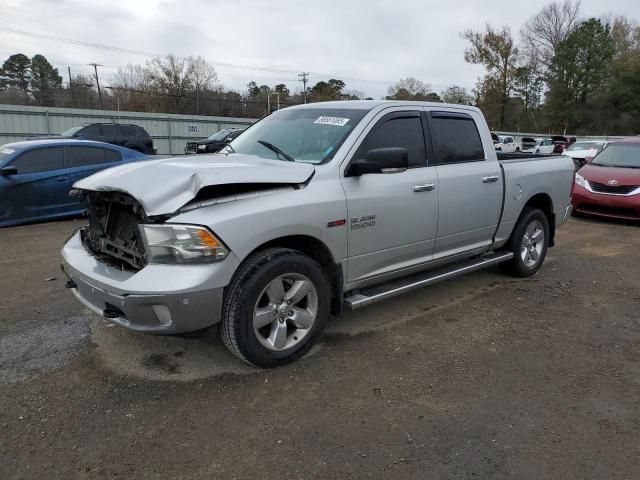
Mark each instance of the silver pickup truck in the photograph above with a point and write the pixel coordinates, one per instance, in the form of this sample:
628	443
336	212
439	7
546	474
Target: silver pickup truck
313	209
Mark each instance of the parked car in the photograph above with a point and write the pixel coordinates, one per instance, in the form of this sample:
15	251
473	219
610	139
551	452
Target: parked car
560	143
542	146
213	143
507	144
36	176
125	135
303	214
609	185
584	151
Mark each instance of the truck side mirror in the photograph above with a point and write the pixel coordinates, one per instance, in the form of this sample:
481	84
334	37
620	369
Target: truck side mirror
378	160
8	171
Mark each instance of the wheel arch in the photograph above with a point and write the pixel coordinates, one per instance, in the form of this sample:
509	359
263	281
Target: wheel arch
317	250
543	202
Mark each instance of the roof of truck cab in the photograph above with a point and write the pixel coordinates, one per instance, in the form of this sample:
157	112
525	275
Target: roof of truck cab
371	104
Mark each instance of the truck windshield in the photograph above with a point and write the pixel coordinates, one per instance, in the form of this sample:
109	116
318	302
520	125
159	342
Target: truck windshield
620	155
310	135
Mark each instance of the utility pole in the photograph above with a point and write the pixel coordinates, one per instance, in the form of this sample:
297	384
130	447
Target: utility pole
303	79
73	98
95	69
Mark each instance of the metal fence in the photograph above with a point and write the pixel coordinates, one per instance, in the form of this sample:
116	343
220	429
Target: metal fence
169	132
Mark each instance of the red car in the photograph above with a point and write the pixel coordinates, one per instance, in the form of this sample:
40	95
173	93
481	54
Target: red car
609	185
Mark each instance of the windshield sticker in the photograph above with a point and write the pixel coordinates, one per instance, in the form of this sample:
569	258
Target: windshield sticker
8	151
337	121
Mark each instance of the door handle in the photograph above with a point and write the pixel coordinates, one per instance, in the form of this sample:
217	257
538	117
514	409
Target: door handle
426	187
61	179
490	179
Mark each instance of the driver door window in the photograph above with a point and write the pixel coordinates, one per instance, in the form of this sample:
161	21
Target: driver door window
398	130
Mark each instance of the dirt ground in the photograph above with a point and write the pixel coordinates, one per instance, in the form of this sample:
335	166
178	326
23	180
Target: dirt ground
479	377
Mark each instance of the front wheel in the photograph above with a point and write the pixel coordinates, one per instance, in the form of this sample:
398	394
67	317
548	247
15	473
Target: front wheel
529	242
275	307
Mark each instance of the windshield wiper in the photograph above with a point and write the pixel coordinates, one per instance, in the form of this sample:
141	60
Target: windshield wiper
279	152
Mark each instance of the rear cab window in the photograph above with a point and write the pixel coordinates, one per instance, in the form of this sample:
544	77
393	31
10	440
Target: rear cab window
455	138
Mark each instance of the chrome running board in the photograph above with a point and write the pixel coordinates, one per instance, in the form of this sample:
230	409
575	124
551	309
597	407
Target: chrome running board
377	293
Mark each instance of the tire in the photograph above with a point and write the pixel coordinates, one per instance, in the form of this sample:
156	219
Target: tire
537	151
527	263
517	149
258	325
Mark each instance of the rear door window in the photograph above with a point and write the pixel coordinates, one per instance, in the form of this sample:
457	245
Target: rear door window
402	129
455	138
128	131
40	160
83	156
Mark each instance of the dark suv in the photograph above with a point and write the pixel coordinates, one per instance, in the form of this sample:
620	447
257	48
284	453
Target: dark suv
213	143
126	135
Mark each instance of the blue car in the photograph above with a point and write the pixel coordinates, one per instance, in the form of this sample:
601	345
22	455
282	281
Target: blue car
36	176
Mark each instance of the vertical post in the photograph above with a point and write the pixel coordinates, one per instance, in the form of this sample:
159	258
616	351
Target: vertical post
303	76
73	98
46	116
170	139
95	69
268	103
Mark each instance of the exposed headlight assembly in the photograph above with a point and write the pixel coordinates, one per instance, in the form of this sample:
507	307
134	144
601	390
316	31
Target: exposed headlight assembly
173	243
580	180
202	147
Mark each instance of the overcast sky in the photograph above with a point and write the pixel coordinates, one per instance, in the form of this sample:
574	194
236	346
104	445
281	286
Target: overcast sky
369	43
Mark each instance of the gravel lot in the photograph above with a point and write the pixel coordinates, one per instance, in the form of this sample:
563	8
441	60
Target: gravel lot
480	377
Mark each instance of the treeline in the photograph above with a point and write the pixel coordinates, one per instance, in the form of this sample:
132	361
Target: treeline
566	74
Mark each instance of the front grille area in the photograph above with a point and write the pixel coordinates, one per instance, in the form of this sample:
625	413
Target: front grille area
615	189
113	235
192	147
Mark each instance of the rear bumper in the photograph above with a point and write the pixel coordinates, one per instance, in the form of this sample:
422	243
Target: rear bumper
604	205
160	299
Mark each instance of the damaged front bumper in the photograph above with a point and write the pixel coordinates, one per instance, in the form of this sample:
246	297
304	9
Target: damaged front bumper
160	299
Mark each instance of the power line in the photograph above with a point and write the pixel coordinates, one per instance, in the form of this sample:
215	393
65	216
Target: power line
129	51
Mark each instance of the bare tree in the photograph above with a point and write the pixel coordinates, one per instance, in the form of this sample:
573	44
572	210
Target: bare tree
203	76
495	50
172	77
544	31
408	88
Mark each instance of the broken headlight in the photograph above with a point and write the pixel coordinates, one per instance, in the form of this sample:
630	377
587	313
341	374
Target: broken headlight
174	243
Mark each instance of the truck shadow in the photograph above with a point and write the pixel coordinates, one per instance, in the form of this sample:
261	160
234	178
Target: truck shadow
202	354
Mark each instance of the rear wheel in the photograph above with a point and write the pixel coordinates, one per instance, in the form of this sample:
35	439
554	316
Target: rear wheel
529	243
275	307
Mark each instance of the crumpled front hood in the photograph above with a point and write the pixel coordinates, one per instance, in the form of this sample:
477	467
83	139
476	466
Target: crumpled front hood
163	186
